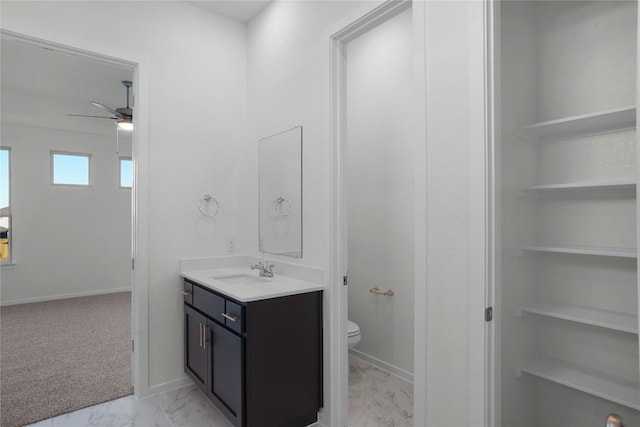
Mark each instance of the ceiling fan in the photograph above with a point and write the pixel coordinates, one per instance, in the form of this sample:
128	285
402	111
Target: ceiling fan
123	115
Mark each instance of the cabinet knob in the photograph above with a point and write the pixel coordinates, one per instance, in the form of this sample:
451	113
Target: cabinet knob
186	293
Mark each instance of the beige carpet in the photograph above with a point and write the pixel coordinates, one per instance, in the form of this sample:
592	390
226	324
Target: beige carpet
59	356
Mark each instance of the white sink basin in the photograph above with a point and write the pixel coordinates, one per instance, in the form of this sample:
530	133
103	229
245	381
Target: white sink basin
241	279
245	285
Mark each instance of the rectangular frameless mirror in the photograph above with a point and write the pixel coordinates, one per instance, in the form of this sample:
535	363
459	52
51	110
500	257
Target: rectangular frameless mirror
280	198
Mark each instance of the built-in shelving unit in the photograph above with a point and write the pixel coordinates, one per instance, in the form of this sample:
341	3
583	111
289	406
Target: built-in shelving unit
581	186
619	390
590	316
567	202
587	124
584	250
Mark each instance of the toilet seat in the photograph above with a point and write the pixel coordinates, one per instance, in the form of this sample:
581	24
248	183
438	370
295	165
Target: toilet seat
352	329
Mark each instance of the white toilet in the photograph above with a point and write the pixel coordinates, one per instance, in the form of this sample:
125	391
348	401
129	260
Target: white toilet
353	334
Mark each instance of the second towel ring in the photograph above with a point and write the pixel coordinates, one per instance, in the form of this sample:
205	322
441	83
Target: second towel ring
212	212
282	207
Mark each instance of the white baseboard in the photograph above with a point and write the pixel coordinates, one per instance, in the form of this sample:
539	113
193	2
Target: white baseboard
168	386
65	296
398	372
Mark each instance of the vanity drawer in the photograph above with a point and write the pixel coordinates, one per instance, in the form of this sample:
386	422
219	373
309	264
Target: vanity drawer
233	316
209	303
187	292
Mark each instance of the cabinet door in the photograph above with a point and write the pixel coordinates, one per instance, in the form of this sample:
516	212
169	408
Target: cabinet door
195	352
226	370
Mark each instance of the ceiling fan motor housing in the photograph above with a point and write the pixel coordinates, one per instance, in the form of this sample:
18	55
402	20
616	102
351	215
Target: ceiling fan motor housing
123	114
126	111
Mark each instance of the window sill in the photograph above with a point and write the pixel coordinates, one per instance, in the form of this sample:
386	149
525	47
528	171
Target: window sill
8	266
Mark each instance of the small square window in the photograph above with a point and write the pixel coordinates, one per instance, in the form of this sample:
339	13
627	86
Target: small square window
6	231
126	172
70	168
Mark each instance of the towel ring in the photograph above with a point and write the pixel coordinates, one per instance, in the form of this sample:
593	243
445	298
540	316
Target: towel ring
207	198
283	207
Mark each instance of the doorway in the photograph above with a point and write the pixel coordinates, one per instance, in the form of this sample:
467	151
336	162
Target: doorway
379	237
341	251
109	158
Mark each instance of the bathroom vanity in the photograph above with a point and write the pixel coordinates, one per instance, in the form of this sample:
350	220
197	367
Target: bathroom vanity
254	345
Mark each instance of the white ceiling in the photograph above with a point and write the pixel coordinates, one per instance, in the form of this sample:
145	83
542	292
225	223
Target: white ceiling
240	10
40	87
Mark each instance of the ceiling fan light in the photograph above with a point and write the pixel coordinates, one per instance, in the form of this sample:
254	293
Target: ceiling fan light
125	124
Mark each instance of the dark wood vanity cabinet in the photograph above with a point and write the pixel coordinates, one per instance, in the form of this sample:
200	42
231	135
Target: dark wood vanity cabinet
259	362
195	354
213	360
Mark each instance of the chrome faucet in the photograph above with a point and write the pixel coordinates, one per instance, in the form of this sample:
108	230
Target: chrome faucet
266	270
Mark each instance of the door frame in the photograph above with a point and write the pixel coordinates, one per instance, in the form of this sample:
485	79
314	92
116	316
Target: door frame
336	316
484	263
483	402
487	228
139	194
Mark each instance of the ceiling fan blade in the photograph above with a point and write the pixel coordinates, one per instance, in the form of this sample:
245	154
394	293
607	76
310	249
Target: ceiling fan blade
97	117
97	104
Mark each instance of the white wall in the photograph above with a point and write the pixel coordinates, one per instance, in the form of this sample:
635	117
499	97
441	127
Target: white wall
285	83
197	98
380	145
287	68
197	66
67	241
286	88
449	141
519	400
562	59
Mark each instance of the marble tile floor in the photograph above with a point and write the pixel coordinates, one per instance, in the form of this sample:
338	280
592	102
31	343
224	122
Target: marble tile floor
184	407
376	399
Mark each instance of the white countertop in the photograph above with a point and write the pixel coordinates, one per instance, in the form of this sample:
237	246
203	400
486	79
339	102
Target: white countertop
278	286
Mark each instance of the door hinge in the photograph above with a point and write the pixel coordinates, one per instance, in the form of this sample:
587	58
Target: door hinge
133	264
488	314
344	280
132	346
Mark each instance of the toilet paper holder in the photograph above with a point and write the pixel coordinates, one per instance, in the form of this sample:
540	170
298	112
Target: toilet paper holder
378	291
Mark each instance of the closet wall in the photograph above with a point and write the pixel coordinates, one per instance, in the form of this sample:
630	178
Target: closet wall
568	283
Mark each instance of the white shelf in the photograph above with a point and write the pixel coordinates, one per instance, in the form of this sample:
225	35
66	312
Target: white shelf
587	124
581	186
590	316
584	250
623	391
